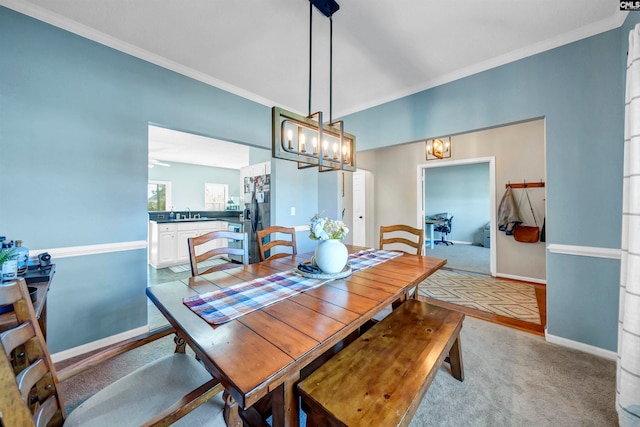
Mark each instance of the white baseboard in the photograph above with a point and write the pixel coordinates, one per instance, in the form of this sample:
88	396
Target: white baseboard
521	278
597	351
91	346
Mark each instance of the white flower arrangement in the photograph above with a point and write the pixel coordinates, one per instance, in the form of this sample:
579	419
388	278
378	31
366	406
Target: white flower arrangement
323	228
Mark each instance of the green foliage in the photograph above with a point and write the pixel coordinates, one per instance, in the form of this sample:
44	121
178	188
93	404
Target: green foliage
6	255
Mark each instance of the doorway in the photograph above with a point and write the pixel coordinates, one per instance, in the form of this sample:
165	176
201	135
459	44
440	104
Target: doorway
463	250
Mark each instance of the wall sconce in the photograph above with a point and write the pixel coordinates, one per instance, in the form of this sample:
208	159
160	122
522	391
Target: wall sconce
307	139
438	149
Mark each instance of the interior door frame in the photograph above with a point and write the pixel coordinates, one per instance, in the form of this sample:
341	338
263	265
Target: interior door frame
421	182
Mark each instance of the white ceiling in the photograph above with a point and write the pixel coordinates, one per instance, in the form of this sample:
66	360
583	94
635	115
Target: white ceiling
382	49
170	145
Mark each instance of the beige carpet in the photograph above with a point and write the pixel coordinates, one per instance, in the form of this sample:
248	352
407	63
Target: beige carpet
493	295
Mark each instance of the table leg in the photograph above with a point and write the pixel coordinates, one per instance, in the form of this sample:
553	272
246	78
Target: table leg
231	413
286	407
455	359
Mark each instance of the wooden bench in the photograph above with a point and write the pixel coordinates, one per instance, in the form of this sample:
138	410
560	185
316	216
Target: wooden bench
381	377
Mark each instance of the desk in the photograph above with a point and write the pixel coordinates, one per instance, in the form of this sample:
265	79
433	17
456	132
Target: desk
41	279
266	350
431	223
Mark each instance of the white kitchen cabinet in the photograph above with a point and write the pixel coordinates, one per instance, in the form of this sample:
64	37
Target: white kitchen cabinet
166	247
168	244
185	230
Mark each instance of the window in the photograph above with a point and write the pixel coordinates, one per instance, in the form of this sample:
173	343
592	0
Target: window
158	195
215	196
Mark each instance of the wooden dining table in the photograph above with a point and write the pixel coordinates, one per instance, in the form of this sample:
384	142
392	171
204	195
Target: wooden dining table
266	352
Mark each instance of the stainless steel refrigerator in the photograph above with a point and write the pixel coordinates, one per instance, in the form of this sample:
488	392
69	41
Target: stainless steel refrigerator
257	212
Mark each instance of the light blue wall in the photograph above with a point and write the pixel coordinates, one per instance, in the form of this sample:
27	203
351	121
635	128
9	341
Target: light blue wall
578	89
259	155
461	191
300	192
73	144
187	182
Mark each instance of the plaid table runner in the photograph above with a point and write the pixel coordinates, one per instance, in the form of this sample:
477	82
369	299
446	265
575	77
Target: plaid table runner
226	304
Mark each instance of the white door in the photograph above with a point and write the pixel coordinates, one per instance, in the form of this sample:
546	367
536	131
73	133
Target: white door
359	205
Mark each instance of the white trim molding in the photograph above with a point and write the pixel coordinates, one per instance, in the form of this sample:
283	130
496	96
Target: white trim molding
104	248
522	279
597	351
302	228
587	251
95	345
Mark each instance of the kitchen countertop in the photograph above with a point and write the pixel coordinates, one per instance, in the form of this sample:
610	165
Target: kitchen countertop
235	219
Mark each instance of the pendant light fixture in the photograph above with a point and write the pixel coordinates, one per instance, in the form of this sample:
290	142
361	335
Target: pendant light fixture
308	140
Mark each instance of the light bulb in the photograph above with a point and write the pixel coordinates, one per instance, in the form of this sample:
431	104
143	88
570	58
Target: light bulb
302	140
289	137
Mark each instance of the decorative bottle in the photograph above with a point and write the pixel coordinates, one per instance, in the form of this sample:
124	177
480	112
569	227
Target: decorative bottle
22	256
10	265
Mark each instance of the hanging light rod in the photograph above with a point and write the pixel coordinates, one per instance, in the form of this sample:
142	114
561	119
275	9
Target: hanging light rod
327	7
309	140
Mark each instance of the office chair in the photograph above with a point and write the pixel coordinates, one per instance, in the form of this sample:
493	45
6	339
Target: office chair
444	228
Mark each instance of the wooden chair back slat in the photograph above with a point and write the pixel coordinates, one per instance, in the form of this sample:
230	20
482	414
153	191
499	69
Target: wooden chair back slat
264	247
417	245
43	415
195	242
10	295
16	337
30	376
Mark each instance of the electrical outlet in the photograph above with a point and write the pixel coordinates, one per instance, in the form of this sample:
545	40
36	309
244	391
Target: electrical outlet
293	211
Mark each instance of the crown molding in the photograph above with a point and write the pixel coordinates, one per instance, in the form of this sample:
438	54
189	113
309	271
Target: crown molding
552	43
92	34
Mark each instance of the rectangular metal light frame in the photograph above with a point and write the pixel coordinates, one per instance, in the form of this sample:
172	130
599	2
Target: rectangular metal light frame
280	149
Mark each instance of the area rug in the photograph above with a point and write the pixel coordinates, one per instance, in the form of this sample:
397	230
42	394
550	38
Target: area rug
498	296
208	263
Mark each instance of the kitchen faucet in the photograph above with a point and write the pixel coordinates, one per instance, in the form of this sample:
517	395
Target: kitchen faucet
189	210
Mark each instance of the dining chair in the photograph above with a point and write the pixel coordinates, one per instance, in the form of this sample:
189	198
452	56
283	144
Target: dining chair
207	246
270	232
160	393
402	234
412	239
